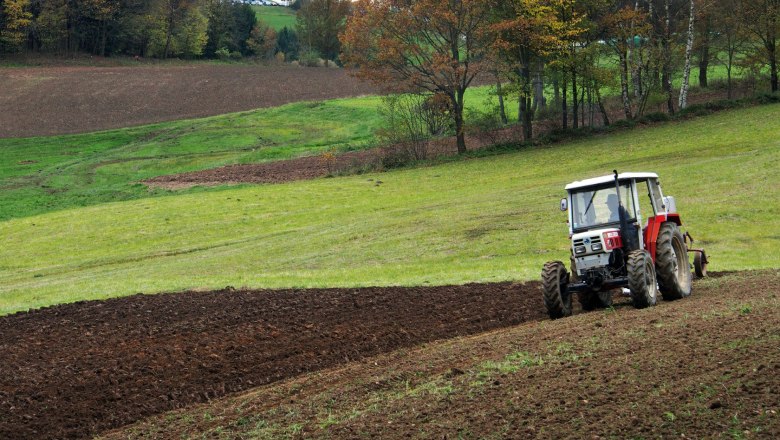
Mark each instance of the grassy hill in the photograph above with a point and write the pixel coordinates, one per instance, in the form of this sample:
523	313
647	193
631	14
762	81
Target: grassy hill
488	219
276	17
44	174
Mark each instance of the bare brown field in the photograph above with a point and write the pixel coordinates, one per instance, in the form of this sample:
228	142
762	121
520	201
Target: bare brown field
349	363
703	367
39	101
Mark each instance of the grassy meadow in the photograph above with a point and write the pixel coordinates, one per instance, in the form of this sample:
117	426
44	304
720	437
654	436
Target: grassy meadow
276	17
487	219
39	175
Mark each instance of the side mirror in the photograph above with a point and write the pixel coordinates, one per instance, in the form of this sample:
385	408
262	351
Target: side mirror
564	204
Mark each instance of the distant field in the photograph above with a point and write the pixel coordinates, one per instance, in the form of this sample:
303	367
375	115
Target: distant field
277	17
480	220
39	175
40	101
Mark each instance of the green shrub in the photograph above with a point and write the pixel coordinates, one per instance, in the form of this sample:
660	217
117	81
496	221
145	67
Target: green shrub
655	117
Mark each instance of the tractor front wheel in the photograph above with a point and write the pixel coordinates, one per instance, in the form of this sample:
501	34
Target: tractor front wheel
641	279
671	259
555	282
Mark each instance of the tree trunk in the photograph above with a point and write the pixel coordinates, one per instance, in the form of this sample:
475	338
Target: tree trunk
772	49
624	84
168	37
459	125
633	59
704	55
528	113
574	104
564	107
602	109
540	102
687	69
500	93
667	60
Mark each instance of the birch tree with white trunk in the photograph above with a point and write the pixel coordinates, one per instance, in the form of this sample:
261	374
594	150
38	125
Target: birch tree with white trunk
683	102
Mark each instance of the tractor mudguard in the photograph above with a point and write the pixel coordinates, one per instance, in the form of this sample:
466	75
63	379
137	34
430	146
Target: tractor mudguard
654	226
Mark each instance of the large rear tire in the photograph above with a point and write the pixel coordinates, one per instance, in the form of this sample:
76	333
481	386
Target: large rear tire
672	265
595	300
555	283
641	279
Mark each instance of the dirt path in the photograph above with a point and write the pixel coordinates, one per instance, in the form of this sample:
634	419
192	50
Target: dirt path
76	370
41	101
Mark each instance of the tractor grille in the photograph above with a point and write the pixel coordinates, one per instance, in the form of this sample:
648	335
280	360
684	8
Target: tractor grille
593	240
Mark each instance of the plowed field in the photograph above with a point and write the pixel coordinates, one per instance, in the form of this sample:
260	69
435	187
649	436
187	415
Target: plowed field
40	101
75	370
699	367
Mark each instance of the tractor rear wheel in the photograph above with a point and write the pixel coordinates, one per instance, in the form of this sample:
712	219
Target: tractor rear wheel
672	266
641	279
555	283
595	300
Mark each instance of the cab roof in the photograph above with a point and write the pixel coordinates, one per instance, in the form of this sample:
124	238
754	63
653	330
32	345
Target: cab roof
609	178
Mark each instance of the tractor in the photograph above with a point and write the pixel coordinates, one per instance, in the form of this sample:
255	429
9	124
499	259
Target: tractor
611	249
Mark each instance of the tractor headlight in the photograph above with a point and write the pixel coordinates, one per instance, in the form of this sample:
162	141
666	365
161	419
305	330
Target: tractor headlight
579	250
596	247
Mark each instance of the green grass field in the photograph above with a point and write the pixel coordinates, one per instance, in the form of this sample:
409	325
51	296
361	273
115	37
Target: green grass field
488	219
276	17
39	175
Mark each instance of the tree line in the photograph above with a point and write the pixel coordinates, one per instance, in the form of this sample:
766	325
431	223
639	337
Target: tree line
572	49
167	28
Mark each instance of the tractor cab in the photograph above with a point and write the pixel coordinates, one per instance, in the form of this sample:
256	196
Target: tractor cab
597	207
624	233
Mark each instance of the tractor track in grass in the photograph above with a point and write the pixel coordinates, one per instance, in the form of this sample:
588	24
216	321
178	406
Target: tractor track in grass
75	370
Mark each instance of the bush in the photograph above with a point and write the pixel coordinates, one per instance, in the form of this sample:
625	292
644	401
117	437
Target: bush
410	120
310	58
655	117
768	98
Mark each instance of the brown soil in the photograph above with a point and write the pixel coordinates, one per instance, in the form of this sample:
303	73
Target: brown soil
704	367
38	101
79	369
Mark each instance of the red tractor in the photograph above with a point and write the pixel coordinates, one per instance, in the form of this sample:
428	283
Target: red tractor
611	249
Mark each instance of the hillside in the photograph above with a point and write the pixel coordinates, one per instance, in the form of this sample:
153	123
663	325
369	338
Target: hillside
484	220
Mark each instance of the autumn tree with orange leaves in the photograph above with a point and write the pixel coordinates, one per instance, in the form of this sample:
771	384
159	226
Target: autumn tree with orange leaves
438	46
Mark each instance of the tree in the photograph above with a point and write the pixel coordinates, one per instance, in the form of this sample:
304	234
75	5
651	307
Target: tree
731	40
103	12
624	26
262	41
530	31
230	26
762	19
287	43
319	24
432	45
15	18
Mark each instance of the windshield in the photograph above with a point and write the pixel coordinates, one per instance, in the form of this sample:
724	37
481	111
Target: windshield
599	206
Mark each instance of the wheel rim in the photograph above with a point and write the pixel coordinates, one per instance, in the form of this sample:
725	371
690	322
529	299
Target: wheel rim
679	264
650	279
